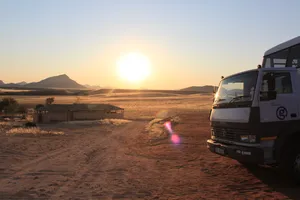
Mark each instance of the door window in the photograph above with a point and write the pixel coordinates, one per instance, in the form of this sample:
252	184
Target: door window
283	84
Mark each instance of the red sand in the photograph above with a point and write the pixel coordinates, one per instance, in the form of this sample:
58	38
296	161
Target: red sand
94	163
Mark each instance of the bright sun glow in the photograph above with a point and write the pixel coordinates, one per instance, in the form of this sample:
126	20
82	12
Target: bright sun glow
134	67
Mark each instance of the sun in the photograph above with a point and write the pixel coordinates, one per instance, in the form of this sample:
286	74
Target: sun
133	67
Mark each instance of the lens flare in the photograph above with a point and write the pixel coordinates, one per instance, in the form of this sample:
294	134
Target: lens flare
174	137
168	127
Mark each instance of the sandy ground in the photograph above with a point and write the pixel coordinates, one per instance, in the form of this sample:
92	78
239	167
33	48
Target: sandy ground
105	162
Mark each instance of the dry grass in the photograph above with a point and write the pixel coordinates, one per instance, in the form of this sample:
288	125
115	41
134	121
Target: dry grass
13	90
114	122
9	124
142	108
150	106
32	131
5	123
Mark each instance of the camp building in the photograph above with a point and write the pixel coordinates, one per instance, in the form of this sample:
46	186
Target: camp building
75	112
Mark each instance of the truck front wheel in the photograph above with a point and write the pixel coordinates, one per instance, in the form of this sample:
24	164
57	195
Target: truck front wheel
290	163
296	167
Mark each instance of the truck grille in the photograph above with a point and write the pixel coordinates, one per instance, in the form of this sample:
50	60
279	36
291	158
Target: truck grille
228	133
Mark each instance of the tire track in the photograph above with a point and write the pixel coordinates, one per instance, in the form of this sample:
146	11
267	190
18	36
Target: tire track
27	167
44	166
95	175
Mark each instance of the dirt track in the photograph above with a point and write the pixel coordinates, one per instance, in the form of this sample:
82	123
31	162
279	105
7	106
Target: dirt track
120	163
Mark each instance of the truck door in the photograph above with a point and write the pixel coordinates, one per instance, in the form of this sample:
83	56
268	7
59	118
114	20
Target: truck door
284	106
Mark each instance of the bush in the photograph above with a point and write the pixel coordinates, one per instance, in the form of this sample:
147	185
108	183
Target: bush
22	110
39	106
30	124
49	101
9	105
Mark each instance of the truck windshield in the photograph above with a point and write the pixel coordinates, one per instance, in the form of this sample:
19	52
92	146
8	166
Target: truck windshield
237	89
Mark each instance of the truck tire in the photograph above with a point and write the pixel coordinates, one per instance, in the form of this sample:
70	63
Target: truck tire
290	163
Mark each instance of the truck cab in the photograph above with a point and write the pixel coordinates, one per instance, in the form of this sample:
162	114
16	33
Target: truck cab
255	115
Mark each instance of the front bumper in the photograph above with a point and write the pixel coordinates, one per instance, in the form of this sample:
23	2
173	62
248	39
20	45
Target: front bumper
240	153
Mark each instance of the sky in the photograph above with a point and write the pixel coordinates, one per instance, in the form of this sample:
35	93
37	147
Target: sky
188	43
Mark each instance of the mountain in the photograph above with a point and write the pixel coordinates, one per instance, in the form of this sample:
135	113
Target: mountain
21	83
1	82
93	87
60	81
206	88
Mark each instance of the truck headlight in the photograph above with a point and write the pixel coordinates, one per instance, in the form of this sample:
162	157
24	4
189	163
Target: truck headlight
248	138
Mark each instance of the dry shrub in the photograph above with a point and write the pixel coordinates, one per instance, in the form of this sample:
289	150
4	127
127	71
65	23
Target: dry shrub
115	122
162	114
29	118
156	129
32	131
153	122
175	120
4	125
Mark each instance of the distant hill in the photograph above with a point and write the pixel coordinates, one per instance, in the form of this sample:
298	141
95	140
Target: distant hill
93	87
10	85
22	83
60	81
206	88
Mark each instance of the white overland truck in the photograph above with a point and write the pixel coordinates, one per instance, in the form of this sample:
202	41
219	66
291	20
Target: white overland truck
255	116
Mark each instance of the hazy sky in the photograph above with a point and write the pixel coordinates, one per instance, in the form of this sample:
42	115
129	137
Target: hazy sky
187	42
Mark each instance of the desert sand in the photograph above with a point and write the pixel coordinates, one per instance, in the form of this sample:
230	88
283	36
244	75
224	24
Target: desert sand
131	160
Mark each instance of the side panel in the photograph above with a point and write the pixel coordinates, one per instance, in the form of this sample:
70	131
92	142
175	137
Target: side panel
285	106
290	128
89	115
57	116
279	119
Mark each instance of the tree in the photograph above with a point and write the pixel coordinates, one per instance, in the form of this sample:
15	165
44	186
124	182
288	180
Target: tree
49	100
9	105
39	106
22	109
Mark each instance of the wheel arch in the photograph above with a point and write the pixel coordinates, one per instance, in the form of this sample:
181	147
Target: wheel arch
284	141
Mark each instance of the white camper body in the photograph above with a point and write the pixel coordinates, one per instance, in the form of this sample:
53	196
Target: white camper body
255	116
